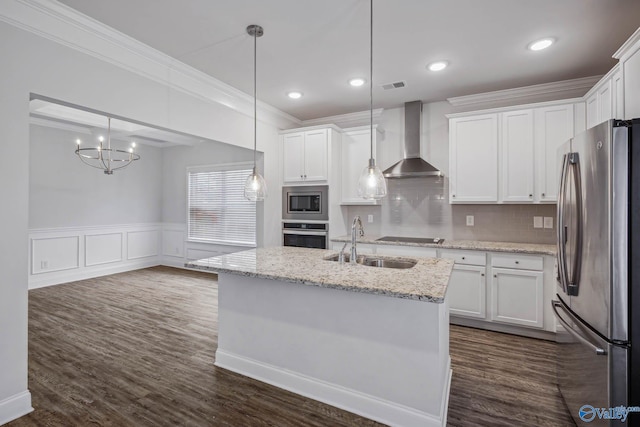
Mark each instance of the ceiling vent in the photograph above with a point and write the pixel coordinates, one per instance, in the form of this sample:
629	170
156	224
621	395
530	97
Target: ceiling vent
394	85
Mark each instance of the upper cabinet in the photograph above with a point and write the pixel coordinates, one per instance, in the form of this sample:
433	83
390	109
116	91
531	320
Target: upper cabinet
604	101
473	159
356	143
553	126
508	156
306	156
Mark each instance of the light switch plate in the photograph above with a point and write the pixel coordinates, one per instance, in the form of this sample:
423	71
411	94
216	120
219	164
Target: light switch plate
537	222
548	222
370	218
470	220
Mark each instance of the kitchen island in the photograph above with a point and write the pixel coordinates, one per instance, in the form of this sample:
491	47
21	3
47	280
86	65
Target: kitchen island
370	340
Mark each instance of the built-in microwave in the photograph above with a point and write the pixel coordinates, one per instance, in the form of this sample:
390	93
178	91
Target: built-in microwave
306	203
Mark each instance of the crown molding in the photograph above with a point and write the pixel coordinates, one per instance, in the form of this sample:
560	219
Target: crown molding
564	101
359	118
60	23
629	47
585	83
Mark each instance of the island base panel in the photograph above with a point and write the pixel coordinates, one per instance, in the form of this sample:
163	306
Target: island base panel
381	357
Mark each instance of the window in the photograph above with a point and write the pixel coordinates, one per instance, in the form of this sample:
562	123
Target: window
217	209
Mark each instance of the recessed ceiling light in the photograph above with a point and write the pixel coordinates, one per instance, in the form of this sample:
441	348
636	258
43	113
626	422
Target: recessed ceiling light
438	66
541	44
294	95
357	82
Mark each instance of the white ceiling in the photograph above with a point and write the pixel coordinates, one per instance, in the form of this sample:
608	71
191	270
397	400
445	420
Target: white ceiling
316	46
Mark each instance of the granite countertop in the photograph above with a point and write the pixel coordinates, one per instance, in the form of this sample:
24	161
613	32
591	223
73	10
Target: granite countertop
426	281
523	248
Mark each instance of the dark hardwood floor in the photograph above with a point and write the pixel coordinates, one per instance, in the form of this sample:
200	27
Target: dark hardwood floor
137	349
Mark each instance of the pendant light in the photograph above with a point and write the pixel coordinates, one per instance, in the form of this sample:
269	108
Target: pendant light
371	184
255	188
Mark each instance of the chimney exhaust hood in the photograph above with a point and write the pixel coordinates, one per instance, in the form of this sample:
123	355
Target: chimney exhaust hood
412	165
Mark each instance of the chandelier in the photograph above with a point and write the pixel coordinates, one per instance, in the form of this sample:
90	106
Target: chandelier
104	157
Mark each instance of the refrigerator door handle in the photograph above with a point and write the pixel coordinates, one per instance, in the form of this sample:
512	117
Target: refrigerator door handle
573	281
562	235
557	304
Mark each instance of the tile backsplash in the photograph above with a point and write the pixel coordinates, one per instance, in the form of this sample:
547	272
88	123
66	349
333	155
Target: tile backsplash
419	207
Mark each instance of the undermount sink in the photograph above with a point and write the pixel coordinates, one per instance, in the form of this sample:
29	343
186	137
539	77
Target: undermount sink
377	261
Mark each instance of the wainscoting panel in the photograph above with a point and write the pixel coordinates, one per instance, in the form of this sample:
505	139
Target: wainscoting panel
103	248
61	255
142	244
50	254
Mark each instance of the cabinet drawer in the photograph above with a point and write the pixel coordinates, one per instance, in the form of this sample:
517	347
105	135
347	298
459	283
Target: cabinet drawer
465	257
517	261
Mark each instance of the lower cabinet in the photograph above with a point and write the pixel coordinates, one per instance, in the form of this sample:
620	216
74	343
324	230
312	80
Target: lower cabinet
517	297
467	291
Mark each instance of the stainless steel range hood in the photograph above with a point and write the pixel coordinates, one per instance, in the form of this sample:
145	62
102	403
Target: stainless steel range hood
412	165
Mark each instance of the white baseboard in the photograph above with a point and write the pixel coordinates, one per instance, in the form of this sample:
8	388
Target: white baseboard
15	407
390	413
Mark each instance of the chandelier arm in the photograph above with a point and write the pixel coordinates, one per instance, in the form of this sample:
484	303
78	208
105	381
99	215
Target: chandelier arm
371	81
255	99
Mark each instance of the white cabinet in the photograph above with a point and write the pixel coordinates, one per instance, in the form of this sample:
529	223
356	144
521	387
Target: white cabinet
467	286
517	289
305	156
467	291
516	156
605	100
553	126
517	297
473	159
356	148
525	150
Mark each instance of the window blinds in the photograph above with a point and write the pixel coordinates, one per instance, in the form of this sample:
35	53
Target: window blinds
218	211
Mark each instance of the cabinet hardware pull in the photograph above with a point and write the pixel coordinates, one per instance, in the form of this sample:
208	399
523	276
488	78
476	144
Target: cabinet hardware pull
463	257
517	262
453	195
530	195
482	274
542	194
495	275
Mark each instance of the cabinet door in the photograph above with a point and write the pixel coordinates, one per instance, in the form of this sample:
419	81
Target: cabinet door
517	297
553	126
293	157
592	111
315	155
605	102
467	291
516	155
355	157
473	159
617	90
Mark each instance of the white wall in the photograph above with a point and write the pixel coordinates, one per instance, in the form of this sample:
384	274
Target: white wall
75	74
64	192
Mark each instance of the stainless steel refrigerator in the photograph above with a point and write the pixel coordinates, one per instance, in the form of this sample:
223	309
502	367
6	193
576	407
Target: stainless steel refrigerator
598	293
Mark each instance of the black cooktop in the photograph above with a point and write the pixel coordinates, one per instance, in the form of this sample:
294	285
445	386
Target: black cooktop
433	240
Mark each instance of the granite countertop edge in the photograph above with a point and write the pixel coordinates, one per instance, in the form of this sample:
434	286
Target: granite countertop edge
427	281
475	245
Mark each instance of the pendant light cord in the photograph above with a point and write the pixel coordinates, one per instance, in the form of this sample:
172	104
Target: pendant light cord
371	79
255	99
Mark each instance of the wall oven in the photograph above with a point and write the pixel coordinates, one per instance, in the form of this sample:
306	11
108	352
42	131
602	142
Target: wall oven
305	203
305	235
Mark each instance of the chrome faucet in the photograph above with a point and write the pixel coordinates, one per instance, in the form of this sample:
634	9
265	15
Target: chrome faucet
341	254
357	224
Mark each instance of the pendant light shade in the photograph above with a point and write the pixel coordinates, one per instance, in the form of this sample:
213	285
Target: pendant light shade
255	188
371	184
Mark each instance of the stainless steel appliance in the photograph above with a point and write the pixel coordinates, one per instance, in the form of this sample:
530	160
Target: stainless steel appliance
306	203
598	295
305	235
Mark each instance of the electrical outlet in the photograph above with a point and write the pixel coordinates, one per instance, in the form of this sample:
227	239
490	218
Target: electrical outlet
369	218
470	220
177	250
44	264
537	222
548	222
